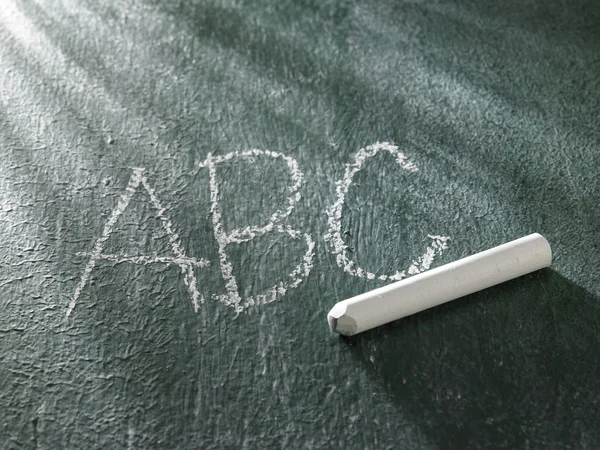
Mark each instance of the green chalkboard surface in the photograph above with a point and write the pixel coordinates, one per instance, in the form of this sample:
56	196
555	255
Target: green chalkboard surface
188	187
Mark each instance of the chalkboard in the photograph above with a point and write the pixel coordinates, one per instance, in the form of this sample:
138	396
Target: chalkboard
187	188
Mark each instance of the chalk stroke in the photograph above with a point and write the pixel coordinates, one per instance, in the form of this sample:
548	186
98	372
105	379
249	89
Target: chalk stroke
180	259
297	177
232	297
145	260
438	245
221	237
334	235
189	278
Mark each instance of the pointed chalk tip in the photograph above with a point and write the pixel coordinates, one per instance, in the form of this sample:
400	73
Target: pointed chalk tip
340	322
338	310
332	321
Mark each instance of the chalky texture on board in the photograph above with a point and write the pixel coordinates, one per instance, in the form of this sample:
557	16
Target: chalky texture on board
188	187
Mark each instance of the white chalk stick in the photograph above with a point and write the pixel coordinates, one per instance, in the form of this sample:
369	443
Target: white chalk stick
440	285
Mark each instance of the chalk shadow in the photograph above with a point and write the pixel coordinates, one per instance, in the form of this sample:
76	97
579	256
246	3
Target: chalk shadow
514	366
